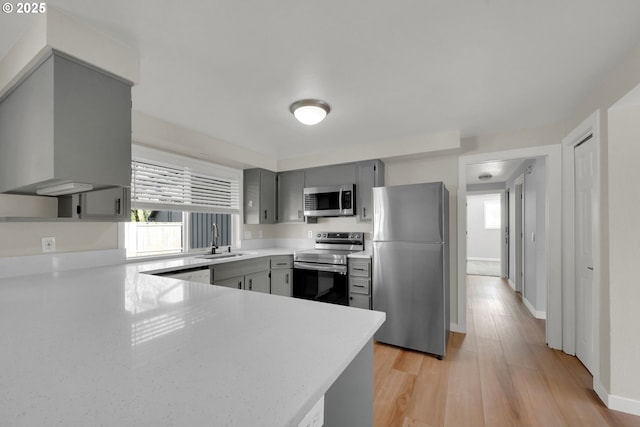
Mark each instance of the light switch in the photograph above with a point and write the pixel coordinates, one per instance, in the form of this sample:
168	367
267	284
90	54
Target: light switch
310	234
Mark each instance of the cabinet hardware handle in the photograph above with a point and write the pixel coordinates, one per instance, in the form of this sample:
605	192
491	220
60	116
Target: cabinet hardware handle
286	278
590	268
251	283
265	214
117	206
364	212
239	285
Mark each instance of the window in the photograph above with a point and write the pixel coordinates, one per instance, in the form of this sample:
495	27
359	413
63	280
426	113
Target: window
175	202
492	214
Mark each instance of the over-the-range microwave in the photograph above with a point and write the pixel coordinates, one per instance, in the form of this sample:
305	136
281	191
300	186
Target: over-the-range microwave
338	200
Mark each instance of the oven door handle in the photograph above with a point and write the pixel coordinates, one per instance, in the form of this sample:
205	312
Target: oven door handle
340	269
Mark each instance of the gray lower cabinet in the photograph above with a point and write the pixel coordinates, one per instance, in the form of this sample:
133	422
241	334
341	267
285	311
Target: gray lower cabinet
259	196
258	282
369	175
252	274
232	282
111	204
290	196
201	275
281	282
282	275
360	282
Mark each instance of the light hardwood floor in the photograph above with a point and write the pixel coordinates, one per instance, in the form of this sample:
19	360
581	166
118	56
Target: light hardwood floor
501	373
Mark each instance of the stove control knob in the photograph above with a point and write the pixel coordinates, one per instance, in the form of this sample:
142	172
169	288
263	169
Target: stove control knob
319	235
324	235
357	236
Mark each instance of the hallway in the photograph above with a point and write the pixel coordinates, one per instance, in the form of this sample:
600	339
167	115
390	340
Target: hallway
501	373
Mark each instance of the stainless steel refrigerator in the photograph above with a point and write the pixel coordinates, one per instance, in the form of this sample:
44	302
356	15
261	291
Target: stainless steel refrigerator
411	265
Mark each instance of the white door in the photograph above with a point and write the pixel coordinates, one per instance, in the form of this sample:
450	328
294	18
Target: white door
585	168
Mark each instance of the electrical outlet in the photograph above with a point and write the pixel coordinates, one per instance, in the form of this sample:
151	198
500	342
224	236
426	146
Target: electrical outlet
310	234
48	244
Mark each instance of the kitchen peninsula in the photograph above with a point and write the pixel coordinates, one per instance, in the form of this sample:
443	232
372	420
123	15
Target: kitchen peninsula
112	346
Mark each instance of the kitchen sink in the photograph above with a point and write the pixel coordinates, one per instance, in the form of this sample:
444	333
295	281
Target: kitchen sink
219	256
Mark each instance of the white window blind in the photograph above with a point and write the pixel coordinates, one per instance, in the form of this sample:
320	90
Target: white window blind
183	184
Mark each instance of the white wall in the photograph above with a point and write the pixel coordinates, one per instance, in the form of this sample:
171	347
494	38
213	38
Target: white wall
482	243
624	240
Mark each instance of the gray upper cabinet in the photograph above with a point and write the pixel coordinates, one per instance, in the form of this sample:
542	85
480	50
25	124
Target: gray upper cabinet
259	196
111	204
65	122
290	196
370	174
330	175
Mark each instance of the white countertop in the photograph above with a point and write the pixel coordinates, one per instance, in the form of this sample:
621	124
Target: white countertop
110	346
363	254
191	261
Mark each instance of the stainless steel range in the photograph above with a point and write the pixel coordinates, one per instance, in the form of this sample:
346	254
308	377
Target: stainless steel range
321	274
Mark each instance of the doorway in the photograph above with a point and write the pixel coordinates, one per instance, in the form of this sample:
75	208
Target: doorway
581	243
484	234
550	246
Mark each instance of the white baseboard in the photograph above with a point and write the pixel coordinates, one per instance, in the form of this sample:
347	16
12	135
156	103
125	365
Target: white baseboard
601	392
616	403
623	404
454	327
513	285
537	314
483	259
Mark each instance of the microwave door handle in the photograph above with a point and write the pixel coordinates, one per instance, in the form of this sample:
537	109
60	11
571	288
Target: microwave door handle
340	201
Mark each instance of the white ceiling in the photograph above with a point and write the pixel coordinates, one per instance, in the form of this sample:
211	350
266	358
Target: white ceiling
500	171
389	69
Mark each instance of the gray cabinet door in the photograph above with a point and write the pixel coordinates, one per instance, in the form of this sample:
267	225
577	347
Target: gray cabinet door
232	282
290	196
281	280
258	282
370	175
112	204
267	197
360	301
330	175
259	196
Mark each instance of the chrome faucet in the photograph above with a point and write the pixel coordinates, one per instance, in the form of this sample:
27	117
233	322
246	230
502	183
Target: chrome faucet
214	238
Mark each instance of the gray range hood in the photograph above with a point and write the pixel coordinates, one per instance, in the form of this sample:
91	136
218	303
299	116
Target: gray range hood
65	128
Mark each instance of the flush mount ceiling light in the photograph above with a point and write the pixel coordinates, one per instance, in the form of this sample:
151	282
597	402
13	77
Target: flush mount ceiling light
485	176
310	111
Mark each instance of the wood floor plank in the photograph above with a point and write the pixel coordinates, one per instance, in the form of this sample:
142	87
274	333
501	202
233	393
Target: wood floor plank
428	402
500	373
409	361
393	400
538	406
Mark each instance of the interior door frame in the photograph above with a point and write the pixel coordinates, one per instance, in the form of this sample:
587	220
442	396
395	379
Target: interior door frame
518	184
503	229
553	220
590	126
